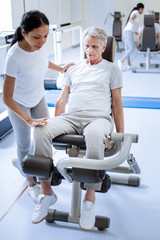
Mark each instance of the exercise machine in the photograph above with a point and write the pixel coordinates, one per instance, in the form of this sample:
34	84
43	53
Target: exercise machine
76	169
148	47
117	28
157	17
5	124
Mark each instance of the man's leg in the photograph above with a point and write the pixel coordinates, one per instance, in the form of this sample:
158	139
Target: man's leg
96	134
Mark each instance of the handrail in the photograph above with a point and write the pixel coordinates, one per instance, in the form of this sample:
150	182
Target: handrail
106	164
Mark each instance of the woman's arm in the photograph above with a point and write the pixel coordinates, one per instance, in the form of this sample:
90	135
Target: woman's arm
61	102
139	39
132	21
8	89
58	68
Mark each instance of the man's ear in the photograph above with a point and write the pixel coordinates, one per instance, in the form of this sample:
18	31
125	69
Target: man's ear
104	47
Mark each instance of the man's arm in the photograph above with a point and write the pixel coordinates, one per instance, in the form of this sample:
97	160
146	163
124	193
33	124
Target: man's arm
117	109
61	102
158	37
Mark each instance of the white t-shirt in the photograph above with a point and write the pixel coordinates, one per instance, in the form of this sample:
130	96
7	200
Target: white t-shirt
130	26
157	30
91	85
29	69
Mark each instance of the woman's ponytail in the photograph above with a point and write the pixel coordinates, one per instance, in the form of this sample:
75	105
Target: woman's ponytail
139	5
17	36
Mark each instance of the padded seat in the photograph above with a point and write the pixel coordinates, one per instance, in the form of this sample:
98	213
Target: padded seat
63	141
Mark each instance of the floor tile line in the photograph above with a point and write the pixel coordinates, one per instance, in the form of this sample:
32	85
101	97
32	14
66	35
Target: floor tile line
13	204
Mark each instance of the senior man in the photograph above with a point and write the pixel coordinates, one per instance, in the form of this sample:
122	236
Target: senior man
93	87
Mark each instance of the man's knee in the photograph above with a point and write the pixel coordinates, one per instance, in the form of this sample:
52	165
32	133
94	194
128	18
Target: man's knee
95	139
40	131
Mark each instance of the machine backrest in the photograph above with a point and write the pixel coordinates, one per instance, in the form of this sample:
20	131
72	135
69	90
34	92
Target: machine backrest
149	35
109	53
117	26
157	17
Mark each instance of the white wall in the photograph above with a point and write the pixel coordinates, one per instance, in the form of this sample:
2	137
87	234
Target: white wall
5	15
97	13
57	11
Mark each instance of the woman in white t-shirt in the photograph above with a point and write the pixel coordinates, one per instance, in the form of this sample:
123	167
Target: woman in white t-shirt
128	33
23	91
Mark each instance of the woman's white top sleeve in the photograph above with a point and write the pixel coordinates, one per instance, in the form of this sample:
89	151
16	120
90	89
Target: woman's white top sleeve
130	26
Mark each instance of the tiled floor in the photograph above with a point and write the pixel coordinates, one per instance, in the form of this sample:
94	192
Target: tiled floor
134	211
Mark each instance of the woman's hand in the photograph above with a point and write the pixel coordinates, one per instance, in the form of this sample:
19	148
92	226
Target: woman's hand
64	69
37	122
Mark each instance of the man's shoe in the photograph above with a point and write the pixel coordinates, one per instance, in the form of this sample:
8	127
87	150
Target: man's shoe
34	192
87	218
41	210
16	164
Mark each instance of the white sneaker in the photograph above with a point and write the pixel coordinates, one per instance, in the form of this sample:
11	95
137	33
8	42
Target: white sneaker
34	192
129	67
41	210
120	65
16	164
87	218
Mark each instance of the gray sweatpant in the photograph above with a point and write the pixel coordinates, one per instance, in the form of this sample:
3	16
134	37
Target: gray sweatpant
129	44
95	129
22	131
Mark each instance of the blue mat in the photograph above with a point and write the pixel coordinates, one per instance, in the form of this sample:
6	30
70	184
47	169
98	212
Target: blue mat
52	96
141	102
128	102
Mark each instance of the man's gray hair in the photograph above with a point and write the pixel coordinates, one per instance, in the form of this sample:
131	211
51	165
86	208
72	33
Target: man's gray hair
96	32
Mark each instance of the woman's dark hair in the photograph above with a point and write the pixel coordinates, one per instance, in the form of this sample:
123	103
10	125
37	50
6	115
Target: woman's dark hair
30	20
139	5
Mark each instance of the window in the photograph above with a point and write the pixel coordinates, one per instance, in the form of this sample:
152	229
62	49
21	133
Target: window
5	15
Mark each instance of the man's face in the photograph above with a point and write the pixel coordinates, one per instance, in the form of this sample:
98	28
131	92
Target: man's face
93	48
